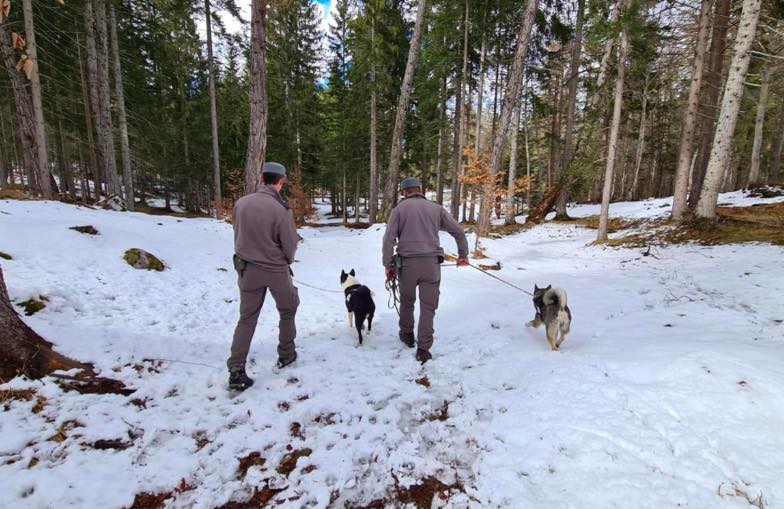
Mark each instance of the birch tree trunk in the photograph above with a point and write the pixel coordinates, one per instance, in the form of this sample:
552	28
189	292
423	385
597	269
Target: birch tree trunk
257	139
44	181
710	102
24	112
393	171
571	106
511	96
122	120
373	190
690	117
105	128
510	191
457	145
217	195
754	173
730	106
775	164
613	141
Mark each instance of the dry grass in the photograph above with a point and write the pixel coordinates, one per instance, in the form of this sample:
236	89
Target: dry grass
15	192
762	223
615	224
163	211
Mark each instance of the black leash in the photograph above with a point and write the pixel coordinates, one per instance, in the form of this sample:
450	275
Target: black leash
394	298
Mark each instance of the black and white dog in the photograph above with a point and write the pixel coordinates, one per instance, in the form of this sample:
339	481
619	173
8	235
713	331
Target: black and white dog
359	301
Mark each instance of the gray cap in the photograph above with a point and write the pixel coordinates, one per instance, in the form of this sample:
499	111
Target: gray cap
410	182
275	168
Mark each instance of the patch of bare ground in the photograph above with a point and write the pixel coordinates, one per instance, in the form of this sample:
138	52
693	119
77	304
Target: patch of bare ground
763	223
420	494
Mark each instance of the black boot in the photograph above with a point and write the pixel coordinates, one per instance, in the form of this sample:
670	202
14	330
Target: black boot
423	355
282	363
407	340
238	380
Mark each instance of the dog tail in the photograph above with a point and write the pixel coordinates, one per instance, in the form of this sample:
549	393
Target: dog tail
556	296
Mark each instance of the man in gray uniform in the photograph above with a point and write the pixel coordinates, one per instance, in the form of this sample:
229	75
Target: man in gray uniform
265	240
413	226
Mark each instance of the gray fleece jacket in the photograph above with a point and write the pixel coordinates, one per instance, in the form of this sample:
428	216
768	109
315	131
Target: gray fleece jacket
413	227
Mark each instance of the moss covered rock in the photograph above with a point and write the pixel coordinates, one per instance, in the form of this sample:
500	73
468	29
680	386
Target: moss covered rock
6	256
33	305
141	259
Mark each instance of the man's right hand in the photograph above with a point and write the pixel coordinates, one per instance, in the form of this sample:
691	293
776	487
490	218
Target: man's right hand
462	262
390	271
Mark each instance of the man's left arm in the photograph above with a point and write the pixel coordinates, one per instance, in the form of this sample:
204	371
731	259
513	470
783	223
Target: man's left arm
288	237
453	228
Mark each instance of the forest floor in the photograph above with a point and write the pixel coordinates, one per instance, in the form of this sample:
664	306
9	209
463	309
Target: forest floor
669	392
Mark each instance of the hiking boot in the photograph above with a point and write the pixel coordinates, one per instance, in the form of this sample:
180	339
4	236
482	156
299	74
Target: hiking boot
423	355
238	380
282	363
407	340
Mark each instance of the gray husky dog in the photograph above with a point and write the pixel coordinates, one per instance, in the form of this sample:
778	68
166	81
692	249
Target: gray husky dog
552	311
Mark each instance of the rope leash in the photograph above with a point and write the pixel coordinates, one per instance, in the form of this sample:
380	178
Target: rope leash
394	299
501	280
316	287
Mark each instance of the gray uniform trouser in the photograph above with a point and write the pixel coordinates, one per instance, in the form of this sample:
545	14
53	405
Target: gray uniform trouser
254	284
423	273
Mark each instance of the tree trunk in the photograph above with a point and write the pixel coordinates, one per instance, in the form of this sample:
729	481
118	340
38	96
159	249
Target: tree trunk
24	112
710	102
125	150
217	195
555	128
257	139
44	181
356	201
633	194
373	186
510	192
730	106
574	72
457	145
613	142
393	171
89	128
527	160
92	74
66	176
775	164
480	94
105	128
440	152
22	351
690	117
759	124
605	62
344	198
511	97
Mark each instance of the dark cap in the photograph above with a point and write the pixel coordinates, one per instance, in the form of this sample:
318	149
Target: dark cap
409	183
276	168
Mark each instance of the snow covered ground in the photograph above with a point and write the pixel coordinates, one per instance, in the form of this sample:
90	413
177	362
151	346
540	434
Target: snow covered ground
668	393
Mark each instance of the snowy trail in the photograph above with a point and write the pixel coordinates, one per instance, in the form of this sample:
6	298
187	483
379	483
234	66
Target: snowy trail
667	392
